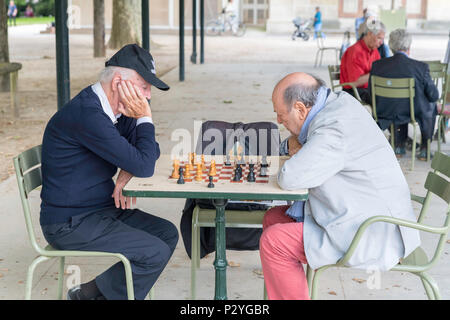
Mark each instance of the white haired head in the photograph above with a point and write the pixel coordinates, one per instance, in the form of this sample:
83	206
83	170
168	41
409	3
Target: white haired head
400	40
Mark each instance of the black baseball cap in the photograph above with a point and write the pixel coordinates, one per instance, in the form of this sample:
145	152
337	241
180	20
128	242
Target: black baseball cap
134	57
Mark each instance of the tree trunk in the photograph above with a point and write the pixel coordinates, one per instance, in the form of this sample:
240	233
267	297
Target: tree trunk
126	25
4	49
99	28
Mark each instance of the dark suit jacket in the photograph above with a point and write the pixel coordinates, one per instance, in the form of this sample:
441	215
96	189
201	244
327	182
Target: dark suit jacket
397	110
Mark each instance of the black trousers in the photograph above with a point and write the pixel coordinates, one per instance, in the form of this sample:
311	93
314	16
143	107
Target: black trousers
426	125
146	240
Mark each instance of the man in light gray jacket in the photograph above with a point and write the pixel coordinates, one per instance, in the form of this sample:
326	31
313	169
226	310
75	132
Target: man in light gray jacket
342	157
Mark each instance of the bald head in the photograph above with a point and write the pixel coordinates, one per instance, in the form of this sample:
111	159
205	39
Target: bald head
293	97
298	86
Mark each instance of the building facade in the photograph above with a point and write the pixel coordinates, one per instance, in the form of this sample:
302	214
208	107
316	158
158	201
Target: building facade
277	15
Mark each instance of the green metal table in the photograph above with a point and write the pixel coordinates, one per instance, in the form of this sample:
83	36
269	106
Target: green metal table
160	186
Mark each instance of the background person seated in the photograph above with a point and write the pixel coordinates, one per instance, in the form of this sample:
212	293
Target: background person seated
357	60
383	49
426	94
29	12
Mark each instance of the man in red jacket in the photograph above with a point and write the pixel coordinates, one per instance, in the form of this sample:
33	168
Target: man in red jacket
357	60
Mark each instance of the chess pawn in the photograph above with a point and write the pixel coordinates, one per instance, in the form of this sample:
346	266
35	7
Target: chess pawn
203	161
176	167
187	173
211	184
212	168
251	174
198	176
180	179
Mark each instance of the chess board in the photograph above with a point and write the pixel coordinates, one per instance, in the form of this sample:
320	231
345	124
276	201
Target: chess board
225	173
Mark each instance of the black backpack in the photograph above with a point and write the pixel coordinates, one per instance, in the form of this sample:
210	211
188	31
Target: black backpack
267	142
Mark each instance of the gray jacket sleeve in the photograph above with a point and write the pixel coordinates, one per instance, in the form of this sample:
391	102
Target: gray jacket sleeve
320	158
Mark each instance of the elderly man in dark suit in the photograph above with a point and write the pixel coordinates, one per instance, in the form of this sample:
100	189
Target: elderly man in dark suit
426	94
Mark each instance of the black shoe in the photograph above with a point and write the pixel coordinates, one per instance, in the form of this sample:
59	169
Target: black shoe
399	152
75	293
423	155
409	144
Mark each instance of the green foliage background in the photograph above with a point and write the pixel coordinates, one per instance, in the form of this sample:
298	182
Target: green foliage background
42	8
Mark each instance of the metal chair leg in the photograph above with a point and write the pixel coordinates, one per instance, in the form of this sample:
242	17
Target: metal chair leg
309	277
61	277
29	281
439	133
151	295
317	56
128	278
413	151
432	284
265	297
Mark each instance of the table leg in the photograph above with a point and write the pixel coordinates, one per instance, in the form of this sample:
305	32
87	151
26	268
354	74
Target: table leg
220	263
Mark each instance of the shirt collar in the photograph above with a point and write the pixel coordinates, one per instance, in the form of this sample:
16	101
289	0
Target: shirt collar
315	109
98	90
364	45
403	53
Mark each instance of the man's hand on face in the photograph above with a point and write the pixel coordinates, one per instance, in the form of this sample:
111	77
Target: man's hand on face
119	199
294	145
131	101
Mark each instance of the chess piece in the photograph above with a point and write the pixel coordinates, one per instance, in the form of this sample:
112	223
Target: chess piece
176	167
187	172
227	160
212	168
198	176
251	174
263	172
264	161
237	173
203	161
180	179
210	184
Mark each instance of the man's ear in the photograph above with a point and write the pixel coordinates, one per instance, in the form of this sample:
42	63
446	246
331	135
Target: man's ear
301	109
115	81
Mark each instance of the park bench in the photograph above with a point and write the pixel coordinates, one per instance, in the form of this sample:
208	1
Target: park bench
12	68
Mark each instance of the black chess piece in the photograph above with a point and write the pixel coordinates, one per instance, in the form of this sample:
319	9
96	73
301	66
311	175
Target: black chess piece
237	174
180	179
251	174
239	168
211	184
227	161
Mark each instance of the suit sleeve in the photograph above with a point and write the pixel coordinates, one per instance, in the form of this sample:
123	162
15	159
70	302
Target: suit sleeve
98	134
320	158
431	92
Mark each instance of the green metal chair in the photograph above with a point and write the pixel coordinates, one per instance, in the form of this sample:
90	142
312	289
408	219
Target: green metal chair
417	262
438	72
335	71
400	88
29	178
206	218
443	111
321	48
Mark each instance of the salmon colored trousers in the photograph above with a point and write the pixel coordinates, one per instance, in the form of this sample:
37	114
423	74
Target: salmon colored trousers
282	255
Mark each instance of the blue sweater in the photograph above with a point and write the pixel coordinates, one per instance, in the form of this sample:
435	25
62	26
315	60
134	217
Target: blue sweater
81	151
